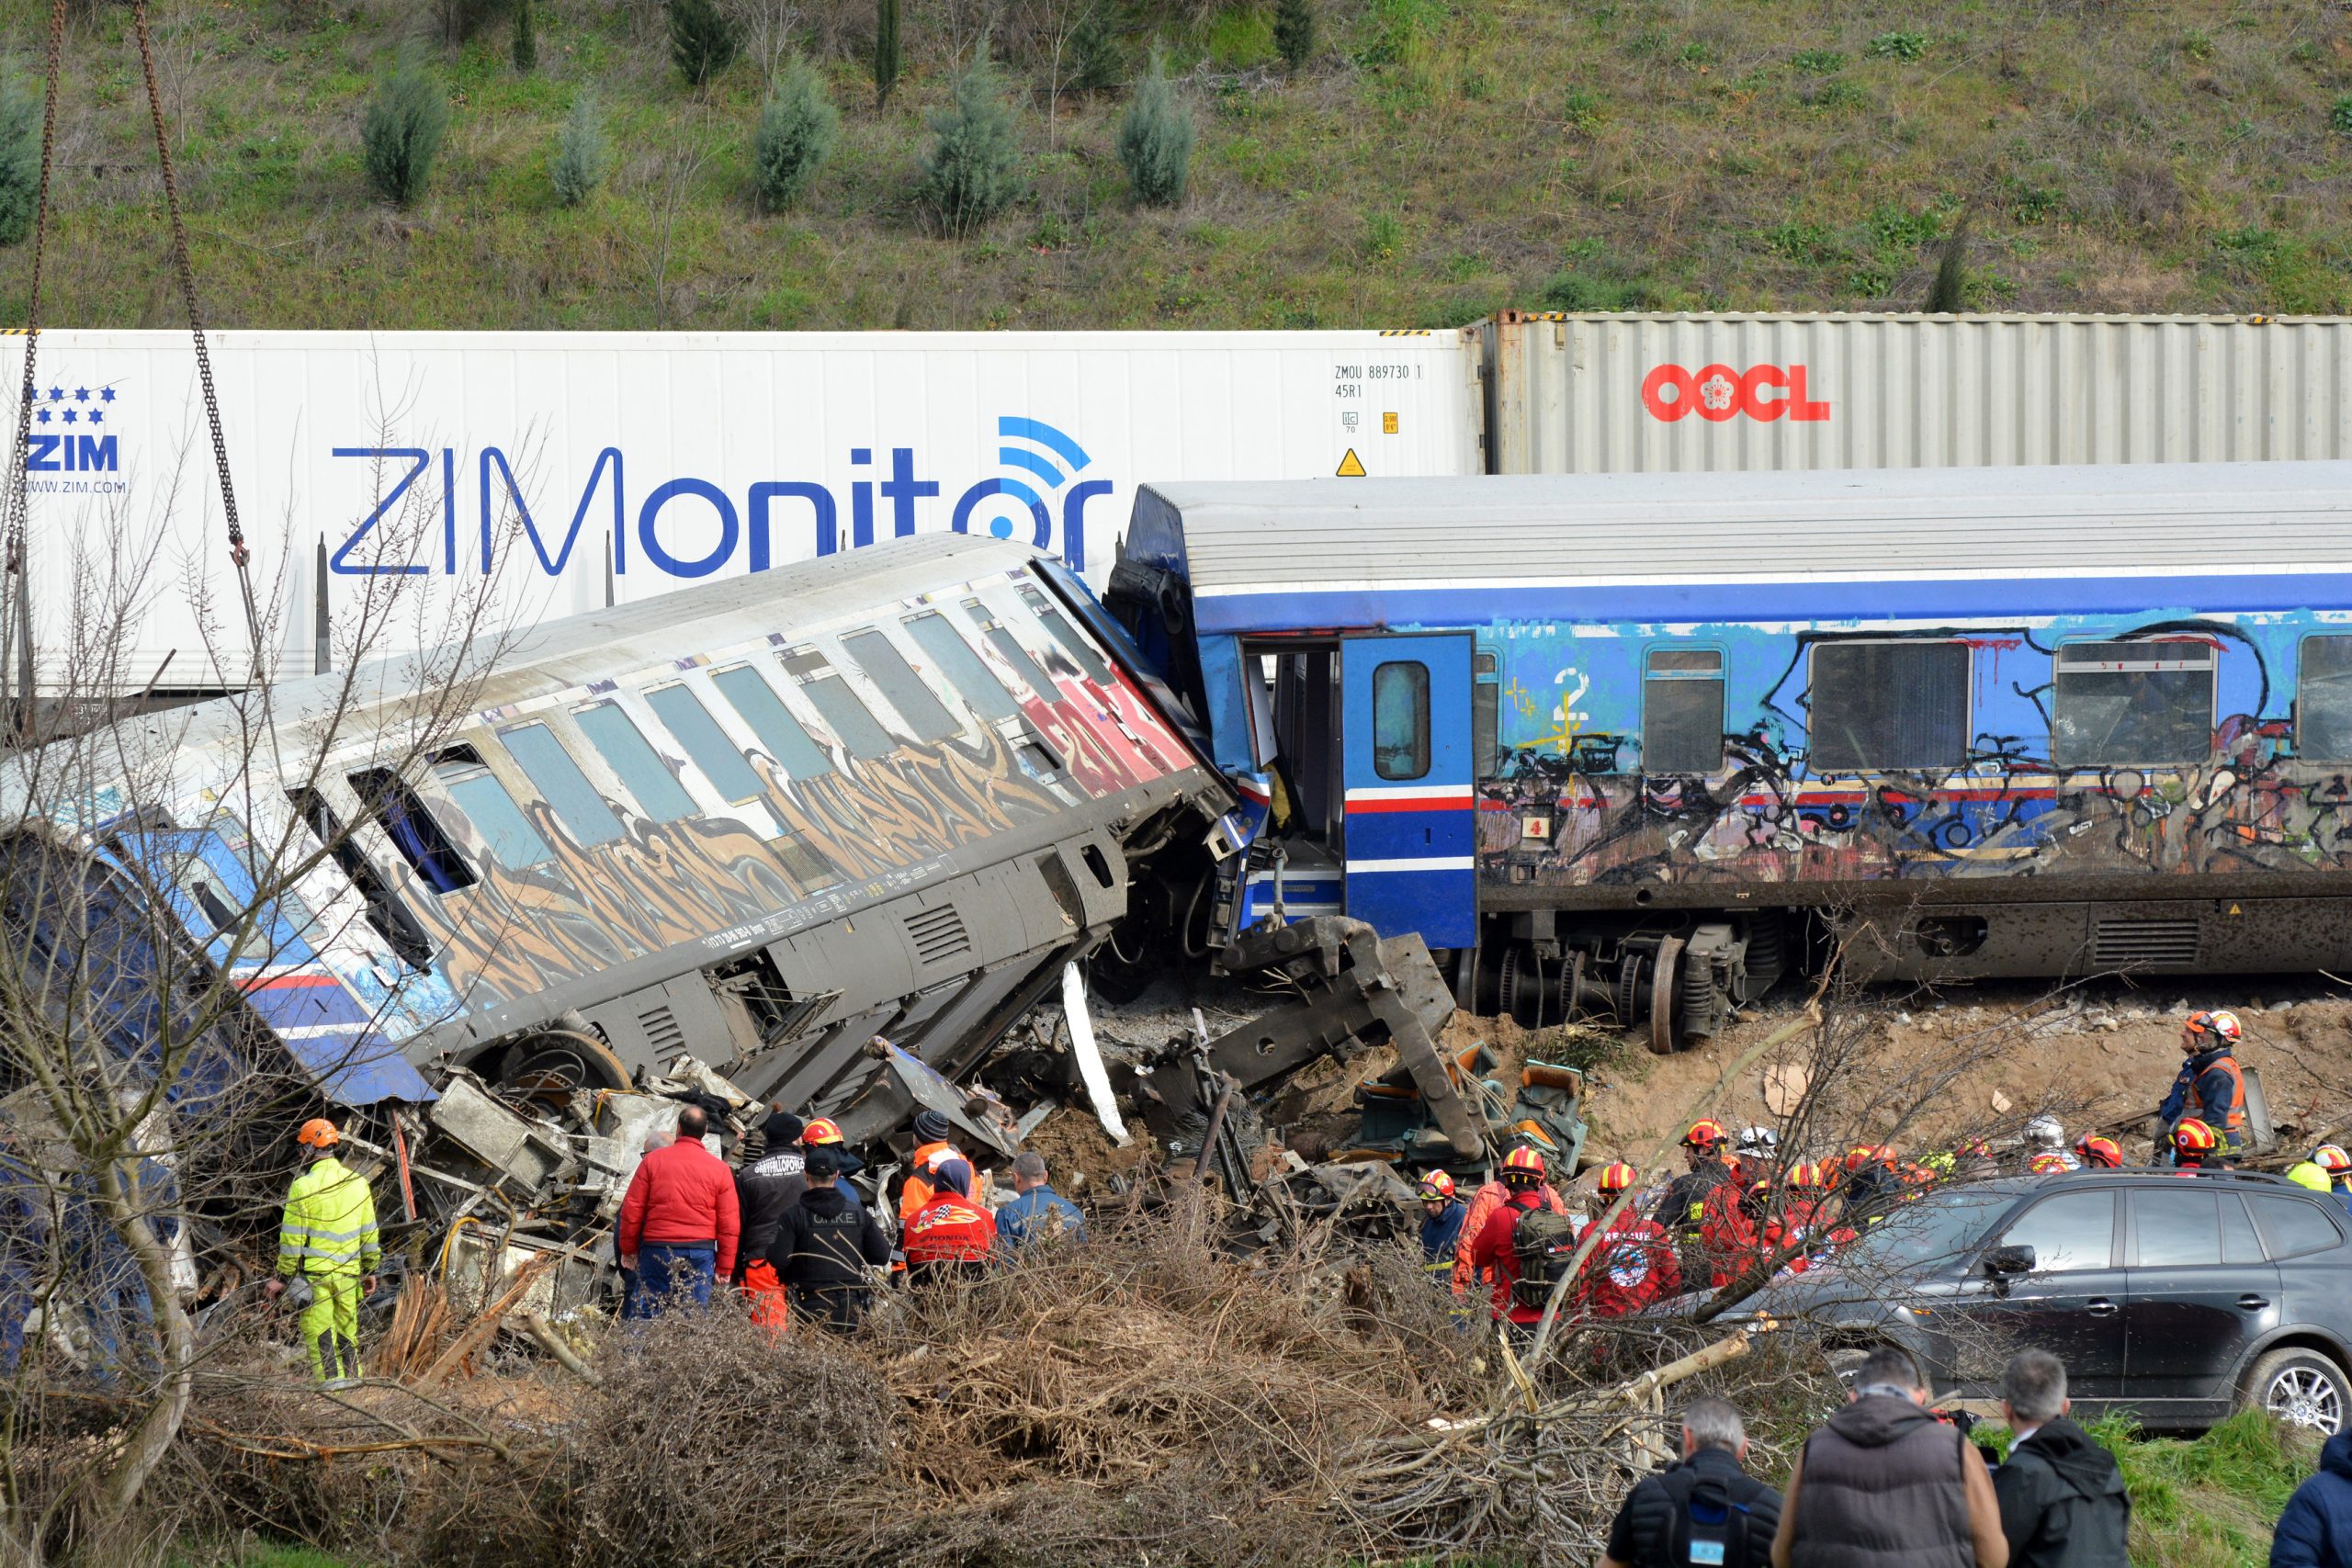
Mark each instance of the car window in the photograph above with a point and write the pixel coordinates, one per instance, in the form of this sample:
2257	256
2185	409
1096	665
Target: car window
2177	1228
2239	1244
2292	1226
2069	1230
1935	1231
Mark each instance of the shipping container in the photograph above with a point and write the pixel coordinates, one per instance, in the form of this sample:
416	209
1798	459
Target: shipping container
400	488
1638	393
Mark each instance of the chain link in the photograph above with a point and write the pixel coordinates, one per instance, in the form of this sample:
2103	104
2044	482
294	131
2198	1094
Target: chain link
15	608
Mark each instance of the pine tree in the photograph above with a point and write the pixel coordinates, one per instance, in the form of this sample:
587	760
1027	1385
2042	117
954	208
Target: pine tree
973	166
1294	33
581	152
402	130
527	39
1095	62
702	40
19	162
886	51
798	127
1156	140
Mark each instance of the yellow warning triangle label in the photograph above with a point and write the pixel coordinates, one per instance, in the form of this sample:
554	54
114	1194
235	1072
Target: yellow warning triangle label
1351	466
2234	910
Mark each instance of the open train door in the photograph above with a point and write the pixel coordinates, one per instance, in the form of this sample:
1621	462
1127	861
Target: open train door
1410	845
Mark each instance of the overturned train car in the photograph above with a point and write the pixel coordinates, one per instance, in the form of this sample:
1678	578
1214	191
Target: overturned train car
1622	742
759	822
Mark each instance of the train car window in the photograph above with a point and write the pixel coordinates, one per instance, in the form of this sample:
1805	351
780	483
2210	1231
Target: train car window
568	793
748	693
851	719
682	713
1003	640
400	812
1062	632
385	913
888	668
512	842
2323	700
632	758
1486	715
2132	703
965	669
1888	705
1682	711
1400	720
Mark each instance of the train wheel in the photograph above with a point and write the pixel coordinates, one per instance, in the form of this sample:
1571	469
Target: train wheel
1665	992
547	1067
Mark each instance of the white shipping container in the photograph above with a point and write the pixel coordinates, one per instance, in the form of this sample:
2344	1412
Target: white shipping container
1637	394
575	471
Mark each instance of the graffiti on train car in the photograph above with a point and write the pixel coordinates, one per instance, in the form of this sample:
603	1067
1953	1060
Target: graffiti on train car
1570	804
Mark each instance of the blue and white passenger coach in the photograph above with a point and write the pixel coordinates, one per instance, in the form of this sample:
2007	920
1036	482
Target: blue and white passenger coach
1606	737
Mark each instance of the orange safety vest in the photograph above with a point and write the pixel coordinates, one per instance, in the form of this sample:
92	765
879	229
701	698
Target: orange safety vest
2229	1118
771	1310
918	1190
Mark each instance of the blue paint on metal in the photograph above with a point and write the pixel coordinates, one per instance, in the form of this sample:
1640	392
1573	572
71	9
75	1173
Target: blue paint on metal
1438	898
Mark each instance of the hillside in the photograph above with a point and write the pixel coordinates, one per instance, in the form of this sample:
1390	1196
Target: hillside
1434	160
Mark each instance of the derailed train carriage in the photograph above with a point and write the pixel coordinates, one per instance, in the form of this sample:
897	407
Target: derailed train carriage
1621	744
760	822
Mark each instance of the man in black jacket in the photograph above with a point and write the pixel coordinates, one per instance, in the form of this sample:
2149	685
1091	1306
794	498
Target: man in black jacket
1706	1509
769	1187
2062	1501
822	1248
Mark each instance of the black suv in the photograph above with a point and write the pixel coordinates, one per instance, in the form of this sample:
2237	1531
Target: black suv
2181	1296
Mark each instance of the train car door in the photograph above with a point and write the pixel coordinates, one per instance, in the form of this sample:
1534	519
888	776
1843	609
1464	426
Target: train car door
1405	728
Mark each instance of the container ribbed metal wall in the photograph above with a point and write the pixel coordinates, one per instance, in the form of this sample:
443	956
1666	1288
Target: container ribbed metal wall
1629	393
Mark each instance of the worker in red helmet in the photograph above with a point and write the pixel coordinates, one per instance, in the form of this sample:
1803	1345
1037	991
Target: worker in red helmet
327	1252
1490	1196
2196	1146
1682	1212
1632	1264
2210	1087
1442	1212
1872	1185
1523	1243
2098	1152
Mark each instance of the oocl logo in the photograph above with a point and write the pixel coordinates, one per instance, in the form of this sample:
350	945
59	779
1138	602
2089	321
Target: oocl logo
1718	392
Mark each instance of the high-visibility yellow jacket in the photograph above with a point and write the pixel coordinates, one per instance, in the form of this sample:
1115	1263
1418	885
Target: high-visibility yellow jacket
330	1224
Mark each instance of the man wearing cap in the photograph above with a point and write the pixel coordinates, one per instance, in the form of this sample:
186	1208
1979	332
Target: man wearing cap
932	1132
769	1187
327	1245
823	1247
1442	1216
1683	1209
822	1133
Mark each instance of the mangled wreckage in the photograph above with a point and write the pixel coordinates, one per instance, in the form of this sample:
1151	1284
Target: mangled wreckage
817	837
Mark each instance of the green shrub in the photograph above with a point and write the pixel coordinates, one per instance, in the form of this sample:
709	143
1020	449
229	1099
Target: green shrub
1156	140
798	128
1584	292
19	162
1384	236
1096	61
580	153
1696	54
1402	32
887	60
1819	62
1800	241
527	39
1898	228
1899	46
401	131
1838	94
2033	204
973	170
702	39
1294	33
2339	114
1581	111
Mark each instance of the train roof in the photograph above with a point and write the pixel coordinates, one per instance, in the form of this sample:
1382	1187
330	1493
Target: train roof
1308	553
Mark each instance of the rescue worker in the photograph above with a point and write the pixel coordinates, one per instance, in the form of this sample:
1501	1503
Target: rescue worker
769	1187
822	1249
2195	1146
2098	1152
327	1239
2209	1087
1490	1197
2047	1135
1495	1248
1973	1161
822	1133
1632	1264
1442	1216
950	1233
2338	1166
1683	1210
1869	1183
933	1148
2049	1162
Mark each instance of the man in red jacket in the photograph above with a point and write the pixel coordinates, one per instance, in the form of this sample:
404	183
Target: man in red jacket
1495	1248
1632	1264
679	1223
950	1233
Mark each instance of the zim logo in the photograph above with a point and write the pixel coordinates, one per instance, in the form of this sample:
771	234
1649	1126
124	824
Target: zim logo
1718	392
68	434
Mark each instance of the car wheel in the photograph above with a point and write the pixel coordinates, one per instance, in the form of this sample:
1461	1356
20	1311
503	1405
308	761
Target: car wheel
2300	1388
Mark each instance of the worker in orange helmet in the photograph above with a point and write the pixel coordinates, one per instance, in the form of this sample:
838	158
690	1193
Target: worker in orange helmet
2098	1152
327	1252
1490	1196
1443	1212
1632	1264
1521	1240
1727	1238
1870	1183
2195	1144
2210	1087
1682	1212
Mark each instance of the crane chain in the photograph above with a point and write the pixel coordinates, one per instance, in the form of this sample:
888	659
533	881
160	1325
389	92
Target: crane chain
238	553
15	608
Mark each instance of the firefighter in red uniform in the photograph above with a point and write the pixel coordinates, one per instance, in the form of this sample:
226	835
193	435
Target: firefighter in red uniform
2195	1146
1483	1205
1726	1233
1633	1264
950	1233
1496	1248
2210	1087
2099	1153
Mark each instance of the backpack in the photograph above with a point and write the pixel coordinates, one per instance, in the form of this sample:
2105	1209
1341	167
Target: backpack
1711	1528
1542	1242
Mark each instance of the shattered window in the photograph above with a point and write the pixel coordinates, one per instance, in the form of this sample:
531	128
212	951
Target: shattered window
1888	705
781	733
682	714
1062	632
575	801
2323	700
1400	720
1682	711
632	758
512	842
402	813
2132	703
965	670
888	668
